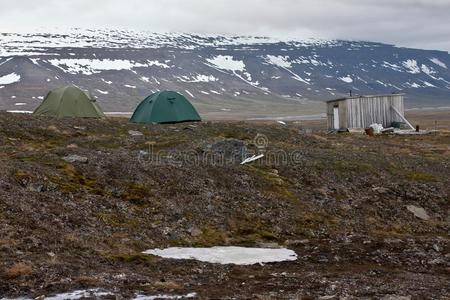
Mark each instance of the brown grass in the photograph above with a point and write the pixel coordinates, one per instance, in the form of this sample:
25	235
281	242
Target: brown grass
18	270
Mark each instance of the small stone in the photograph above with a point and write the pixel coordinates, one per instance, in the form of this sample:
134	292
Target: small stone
395	297
437	248
135	133
380	190
419	212
75	158
194	231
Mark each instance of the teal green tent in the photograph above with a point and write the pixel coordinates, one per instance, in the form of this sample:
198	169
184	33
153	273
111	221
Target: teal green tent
165	107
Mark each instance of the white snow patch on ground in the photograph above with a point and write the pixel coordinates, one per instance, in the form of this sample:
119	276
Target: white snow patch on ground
106	81
346	79
283	62
143	297
103	92
227	255
198	78
20	111
427	70
189	93
129	86
413	85
412	66
92	66
79	294
280	61
9	79
96	293
392	66
158	64
20	104
145	79
226	62
203	92
426	83
381	82
438	62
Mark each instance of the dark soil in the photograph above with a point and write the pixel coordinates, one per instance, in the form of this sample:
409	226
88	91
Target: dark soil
339	201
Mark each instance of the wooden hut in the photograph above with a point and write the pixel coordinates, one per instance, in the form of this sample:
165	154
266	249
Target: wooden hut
362	111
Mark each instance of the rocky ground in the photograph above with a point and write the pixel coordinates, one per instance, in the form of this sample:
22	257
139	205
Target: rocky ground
81	199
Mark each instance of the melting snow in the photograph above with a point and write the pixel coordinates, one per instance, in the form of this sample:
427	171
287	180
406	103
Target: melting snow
10	78
20	104
143	297
411	65
426	83
79	294
103	92
158	64
438	62
347	79
392	66
92	66
129	86
198	78
97	293
227	255
20	111
145	79
226	62
106	81
281	61
189	93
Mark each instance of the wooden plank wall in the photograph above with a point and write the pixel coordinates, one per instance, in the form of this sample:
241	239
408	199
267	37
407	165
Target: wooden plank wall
364	111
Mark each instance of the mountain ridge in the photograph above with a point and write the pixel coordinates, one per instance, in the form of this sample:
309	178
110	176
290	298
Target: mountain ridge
220	74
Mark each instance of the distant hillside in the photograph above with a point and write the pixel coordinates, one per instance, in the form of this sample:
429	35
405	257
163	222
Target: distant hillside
220	74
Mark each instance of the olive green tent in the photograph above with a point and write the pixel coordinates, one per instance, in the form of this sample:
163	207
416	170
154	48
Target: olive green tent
165	107
68	101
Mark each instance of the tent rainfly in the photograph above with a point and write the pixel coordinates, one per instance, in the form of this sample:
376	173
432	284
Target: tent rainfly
69	101
165	107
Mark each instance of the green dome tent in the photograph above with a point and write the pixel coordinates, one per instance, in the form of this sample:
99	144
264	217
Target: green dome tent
165	107
68	101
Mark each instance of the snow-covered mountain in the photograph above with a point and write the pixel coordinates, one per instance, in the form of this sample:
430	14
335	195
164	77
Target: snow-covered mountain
121	67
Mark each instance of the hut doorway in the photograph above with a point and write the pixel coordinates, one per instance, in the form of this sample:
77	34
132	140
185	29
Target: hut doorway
336	117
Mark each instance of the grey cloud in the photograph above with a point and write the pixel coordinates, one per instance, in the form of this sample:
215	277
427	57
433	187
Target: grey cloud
414	23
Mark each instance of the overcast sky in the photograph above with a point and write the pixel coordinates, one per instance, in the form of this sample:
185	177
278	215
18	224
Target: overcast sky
413	23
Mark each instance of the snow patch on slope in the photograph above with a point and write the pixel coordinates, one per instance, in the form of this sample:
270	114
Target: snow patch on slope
412	66
9	79
280	61
346	79
438	62
198	78
92	66
226	62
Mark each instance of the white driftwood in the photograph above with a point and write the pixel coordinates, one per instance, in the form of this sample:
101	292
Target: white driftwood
253	158
402	117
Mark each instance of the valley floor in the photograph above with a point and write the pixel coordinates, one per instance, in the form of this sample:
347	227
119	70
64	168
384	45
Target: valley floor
80	200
